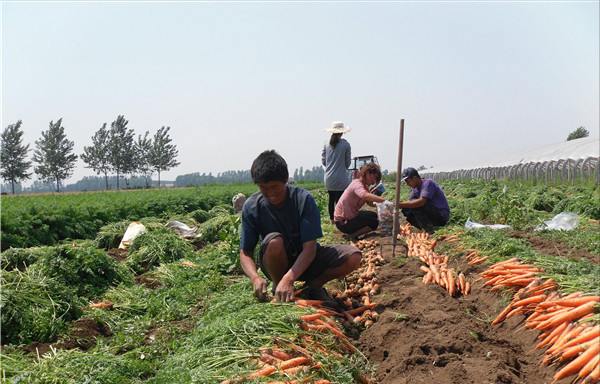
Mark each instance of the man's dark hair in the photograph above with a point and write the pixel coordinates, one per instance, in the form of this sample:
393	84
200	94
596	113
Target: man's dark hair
269	166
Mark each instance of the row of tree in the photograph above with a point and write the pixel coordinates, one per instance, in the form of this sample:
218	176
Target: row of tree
114	150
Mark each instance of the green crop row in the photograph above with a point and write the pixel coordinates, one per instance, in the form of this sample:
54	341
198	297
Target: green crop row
29	221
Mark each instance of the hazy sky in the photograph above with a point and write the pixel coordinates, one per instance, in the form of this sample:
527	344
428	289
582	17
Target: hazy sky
471	79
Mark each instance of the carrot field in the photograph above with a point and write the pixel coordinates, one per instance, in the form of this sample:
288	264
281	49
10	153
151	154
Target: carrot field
514	305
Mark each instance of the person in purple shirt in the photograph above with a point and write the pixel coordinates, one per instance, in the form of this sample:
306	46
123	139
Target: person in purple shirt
427	206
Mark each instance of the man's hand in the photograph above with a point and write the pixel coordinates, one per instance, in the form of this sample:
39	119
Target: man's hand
284	291
260	288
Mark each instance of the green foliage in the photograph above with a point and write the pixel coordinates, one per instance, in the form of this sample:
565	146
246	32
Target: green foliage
150	249
87	270
162	155
97	156
18	258
13	155
578	133
54	156
44	220
35	306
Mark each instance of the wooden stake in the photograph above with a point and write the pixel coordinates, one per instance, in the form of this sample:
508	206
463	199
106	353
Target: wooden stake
398	183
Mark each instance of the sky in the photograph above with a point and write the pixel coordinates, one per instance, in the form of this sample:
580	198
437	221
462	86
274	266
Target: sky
471	80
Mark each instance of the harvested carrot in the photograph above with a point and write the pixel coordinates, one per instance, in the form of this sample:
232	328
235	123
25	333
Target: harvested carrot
334	329
359	310
571	315
577	301
588	368
293	362
188	264
307	302
578	363
102	305
311	317
265	371
282	355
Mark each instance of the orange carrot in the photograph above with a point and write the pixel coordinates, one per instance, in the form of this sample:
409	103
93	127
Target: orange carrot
571	315
334	329
587	369
577	301
502	314
101	305
293	362
578	363
265	371
311	317
530	300
467	288
554	335
584	335
571	352
307	302
359	310
282	355
187	263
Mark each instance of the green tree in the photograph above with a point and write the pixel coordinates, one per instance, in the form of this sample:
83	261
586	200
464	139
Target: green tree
163	155
53	154
13	155
121	148
97	156
578	134
144	150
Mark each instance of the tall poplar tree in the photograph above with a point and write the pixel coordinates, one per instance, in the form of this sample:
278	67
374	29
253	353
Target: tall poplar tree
164	154
53	154
13	155
97	156
122	148
143	148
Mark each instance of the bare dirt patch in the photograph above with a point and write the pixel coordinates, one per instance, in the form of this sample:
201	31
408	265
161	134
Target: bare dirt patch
82	334
553	248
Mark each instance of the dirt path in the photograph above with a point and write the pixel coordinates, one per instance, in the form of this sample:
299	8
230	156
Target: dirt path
426	336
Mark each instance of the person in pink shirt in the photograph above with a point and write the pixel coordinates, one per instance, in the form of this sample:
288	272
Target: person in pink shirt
348	216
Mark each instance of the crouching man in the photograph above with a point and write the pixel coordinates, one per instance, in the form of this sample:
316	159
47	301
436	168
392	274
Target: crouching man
288	223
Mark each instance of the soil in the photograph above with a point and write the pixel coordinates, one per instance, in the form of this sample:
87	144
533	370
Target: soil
82	334
425	336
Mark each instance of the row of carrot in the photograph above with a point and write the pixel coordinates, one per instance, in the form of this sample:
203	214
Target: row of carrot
569	324
436	266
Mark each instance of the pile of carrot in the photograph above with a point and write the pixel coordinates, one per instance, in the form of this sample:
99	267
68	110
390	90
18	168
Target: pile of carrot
509	274
436	266
572	338
360	286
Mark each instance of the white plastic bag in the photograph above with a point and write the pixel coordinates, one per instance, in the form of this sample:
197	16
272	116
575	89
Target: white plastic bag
385	214
564	221
134	229
182	230
473	225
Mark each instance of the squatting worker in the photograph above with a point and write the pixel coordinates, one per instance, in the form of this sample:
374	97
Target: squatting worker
349	218
336	158
288	223
427	206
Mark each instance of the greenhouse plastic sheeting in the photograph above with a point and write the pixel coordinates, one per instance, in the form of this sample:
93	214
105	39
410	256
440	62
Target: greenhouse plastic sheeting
574	149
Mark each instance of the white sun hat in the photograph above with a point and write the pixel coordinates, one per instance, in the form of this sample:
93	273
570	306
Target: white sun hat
338	127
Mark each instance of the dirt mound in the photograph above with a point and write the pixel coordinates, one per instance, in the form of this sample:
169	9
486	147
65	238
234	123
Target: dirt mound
426	336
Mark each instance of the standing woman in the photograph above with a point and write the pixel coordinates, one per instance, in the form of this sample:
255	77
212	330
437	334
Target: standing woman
336	160
349	218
